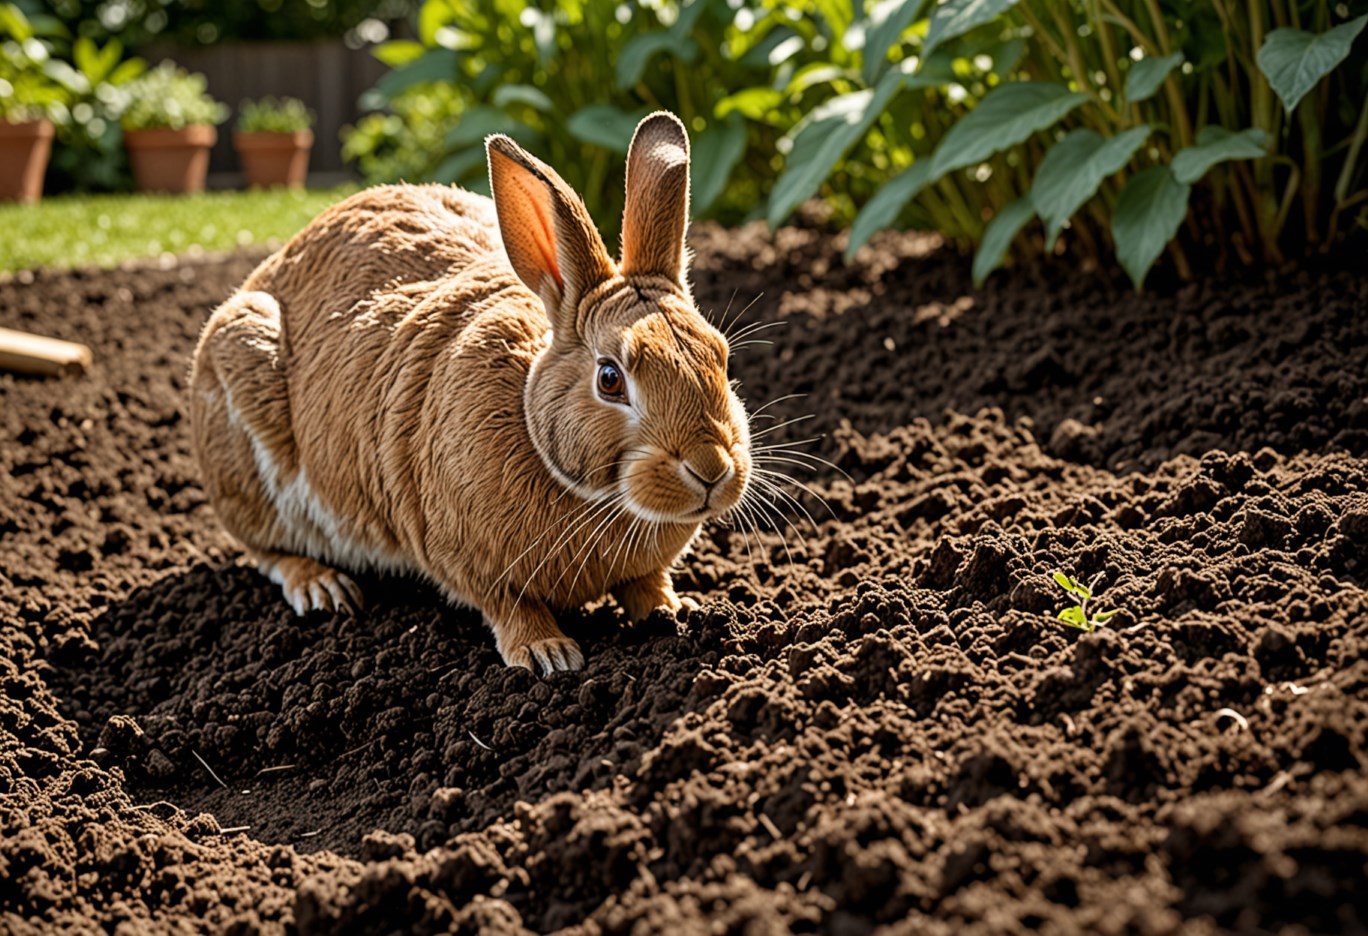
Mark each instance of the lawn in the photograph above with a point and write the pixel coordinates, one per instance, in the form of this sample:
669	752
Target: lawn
104	230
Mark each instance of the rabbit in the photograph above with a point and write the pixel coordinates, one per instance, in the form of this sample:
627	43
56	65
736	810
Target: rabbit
472	391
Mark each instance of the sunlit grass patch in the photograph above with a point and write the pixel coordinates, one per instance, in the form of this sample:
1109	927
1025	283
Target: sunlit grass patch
105	230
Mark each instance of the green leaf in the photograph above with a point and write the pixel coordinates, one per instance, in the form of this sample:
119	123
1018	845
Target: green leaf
1147	215
822	138
605	125
816	73
1007	115
128	70
639	51
998	236
714	155
432	17
1064	581
458	166
398	52
956	17
779	45
751	103
521	94
1217	144
1073	616
1146	75
1294	60
479	122
1105	616
1073	169
887	21
432	65
883	209
1081	590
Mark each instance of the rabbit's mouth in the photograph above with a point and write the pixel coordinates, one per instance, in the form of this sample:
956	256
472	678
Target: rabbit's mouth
665	488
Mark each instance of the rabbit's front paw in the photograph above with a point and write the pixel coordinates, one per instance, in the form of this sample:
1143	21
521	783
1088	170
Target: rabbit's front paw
640	597
553	655
311	586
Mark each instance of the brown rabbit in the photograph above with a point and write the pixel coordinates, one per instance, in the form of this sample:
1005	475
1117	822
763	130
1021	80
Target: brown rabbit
427	381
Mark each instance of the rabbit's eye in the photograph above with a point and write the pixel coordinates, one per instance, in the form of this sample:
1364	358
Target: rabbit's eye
611	385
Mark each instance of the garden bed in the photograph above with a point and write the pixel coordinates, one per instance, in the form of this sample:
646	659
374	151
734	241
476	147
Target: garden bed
878	720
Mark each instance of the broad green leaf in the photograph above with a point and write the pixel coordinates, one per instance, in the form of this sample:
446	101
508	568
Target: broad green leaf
639	51
751	103
887	21
1073	169
432	65
883	209
127	70
398	52
998	236
479	122
1081	590
956	17
1063	580
1294	60
779	44
1217	144
458	166
1146	75
1007	115
14	24
521	94
1105	616
432	16
816	73
822	138
1147	215
604	125
714	155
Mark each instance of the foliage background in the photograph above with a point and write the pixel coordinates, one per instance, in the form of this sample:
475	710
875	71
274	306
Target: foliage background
1133	126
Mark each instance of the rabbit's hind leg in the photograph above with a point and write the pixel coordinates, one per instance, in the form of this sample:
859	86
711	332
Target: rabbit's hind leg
244	442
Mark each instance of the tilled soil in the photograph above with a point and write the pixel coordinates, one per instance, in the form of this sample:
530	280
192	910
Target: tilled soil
874	719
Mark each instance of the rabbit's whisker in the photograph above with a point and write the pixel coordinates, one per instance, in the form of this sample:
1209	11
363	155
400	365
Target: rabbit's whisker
726	331
778	426
588	506
787	396
774	481
568	535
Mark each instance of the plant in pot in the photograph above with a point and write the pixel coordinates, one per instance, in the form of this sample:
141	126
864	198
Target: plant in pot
26	95
273	139
168	129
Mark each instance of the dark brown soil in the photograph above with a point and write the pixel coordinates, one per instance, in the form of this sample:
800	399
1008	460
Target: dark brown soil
874	719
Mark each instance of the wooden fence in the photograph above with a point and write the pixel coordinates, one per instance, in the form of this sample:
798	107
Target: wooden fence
327	76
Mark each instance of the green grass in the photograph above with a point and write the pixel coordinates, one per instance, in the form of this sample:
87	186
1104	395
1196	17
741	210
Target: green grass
105	230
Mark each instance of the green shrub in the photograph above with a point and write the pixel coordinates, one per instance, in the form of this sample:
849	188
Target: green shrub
572	83
404	142
1120	127
272	115
170	98
26	90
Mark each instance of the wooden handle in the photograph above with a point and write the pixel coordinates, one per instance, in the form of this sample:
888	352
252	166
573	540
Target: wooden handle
43	357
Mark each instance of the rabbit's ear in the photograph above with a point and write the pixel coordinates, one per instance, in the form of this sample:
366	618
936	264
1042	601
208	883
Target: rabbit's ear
550	239
657	213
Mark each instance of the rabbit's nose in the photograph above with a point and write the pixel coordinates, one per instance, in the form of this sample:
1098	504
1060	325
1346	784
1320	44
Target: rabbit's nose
709	466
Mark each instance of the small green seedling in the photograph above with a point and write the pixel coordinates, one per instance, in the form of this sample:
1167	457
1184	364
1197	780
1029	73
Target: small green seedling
1078	615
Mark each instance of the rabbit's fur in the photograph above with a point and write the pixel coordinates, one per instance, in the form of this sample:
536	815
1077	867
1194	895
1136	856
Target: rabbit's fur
416	383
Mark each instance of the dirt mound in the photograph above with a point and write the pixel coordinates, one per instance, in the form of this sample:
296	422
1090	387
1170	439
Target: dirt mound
873	719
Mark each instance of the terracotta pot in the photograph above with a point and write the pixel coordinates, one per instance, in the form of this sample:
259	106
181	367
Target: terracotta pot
274	158
24	149
170	160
